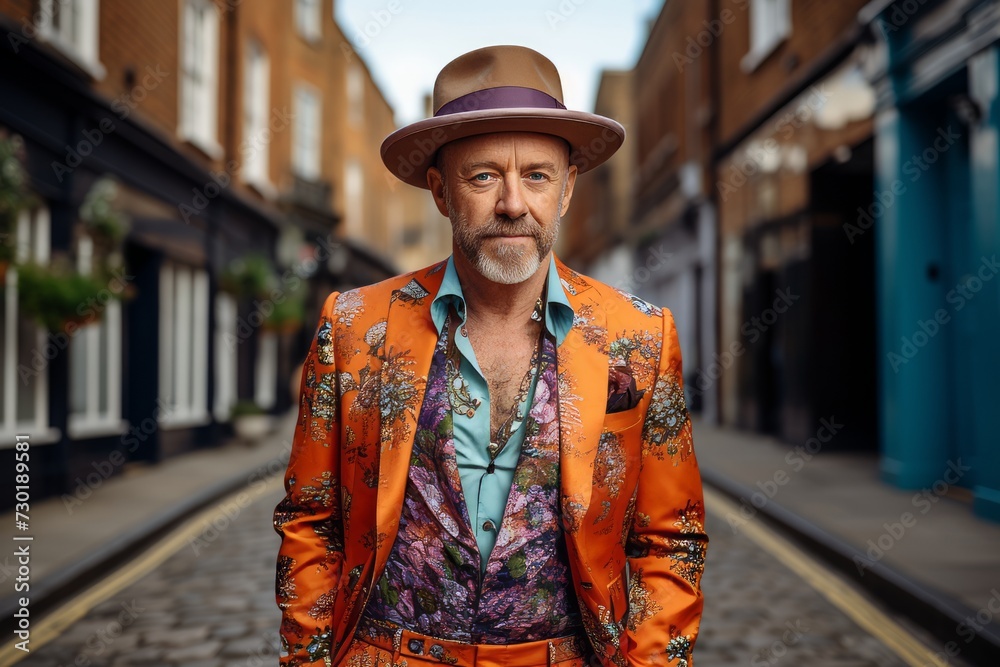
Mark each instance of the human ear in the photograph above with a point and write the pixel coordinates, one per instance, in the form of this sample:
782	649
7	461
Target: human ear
571	173
435	182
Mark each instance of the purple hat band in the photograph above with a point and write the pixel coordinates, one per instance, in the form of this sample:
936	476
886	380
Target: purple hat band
501	97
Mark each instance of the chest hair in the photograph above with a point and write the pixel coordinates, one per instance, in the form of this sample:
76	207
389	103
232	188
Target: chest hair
504	359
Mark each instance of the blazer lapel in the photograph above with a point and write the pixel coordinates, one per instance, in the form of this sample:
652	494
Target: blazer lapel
583	392
409	349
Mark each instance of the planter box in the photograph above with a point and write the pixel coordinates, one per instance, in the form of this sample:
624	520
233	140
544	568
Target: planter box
251	429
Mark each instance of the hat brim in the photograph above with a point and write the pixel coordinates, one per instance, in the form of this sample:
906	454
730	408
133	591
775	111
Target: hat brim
409	151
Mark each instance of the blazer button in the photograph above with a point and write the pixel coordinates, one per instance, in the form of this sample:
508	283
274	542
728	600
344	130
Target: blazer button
488	526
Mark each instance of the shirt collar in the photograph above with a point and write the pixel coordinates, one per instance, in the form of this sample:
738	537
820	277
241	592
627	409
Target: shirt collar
558	311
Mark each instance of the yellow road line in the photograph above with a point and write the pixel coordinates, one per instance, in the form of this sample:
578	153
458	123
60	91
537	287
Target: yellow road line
59	620
830	585
824	581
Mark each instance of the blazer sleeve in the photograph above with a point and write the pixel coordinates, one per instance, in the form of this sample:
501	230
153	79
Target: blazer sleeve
308	519
666	543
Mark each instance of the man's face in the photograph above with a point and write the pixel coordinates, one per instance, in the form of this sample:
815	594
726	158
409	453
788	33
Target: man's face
505	194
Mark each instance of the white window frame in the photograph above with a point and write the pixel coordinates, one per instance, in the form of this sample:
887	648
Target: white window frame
355	84
307	132
98	342
34	244
183	346
770	25
354	199
256	135
266	379
309	19
226	356
199	80
80	39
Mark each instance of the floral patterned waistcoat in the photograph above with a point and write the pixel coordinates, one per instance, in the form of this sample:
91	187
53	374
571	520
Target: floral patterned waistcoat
433	583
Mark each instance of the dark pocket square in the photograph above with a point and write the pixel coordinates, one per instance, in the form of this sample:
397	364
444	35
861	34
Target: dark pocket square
622	392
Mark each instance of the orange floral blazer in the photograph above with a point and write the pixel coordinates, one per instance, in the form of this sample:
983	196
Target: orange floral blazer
631	492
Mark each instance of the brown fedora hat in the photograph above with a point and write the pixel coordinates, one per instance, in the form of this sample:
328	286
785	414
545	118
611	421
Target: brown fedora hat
498	89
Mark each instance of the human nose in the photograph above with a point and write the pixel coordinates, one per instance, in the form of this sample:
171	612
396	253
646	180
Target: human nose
511	202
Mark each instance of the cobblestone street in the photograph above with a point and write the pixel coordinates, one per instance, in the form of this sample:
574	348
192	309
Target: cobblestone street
211	605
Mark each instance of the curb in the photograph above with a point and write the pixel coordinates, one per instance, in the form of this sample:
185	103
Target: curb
56	588
935	612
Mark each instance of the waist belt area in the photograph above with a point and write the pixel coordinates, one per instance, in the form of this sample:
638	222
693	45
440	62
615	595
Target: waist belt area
406	643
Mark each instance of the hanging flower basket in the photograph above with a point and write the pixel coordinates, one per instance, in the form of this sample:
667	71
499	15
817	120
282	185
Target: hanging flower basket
56	296
14	193
289	315
252	276
102	220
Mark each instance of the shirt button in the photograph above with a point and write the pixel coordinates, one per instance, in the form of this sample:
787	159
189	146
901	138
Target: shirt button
488	526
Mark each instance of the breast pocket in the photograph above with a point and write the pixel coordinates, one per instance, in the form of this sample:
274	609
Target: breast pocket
620	421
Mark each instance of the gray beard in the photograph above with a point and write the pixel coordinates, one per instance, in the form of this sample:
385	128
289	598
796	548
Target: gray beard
505	265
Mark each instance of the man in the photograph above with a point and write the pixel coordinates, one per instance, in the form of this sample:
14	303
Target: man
493	462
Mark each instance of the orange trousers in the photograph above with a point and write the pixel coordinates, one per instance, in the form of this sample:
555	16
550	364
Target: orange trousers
416	650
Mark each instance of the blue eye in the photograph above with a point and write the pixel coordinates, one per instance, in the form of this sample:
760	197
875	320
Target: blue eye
533	175
481	177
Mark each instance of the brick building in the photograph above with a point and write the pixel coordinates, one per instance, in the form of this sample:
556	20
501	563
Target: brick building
236	133
794	163
645	221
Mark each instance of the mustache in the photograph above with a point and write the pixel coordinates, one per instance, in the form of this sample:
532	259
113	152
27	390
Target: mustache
502	225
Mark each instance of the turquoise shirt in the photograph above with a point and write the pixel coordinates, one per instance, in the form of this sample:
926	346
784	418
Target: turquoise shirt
486	493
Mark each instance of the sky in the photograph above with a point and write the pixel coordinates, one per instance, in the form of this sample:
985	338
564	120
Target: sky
405	43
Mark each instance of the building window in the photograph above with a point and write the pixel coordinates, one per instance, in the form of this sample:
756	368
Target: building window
256	99
24	346
200	76
226	360
306	131
266	381
309	19
355	95
95	371
183	345
354	194
770	24
73	27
